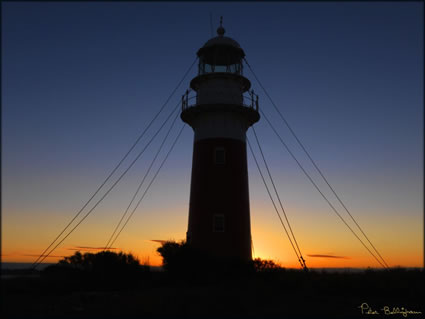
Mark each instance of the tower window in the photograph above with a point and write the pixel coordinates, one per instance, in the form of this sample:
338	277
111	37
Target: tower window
219	156
218	223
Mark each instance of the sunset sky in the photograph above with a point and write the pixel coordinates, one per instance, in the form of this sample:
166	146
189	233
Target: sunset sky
80	82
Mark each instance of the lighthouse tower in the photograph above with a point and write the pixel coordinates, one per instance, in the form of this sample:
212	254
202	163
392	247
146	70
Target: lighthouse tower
219	216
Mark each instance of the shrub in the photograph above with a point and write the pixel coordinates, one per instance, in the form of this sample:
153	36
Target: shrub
177	256
103	269
261	265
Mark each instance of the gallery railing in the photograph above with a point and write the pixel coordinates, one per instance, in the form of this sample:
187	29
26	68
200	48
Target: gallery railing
250	101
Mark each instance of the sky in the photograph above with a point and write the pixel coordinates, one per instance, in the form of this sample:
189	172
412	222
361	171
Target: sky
81	81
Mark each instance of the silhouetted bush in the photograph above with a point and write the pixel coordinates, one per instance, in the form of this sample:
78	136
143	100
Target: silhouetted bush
104	269
179	258
172	254
265	265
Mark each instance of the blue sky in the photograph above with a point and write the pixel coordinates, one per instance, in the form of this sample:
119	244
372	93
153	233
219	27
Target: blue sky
80	81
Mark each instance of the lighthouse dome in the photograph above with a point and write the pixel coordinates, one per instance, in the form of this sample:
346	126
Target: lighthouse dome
221	48
221	40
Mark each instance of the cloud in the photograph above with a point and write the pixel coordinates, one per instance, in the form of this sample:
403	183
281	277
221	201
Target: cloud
158	241
328	256
48	256
88	248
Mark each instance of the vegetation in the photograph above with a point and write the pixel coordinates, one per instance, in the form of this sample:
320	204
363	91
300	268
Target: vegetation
262	265
105	269
180	261
176	256
179	257
103	261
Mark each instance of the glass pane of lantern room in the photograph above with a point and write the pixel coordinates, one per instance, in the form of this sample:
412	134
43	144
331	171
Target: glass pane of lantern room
220	68
208	68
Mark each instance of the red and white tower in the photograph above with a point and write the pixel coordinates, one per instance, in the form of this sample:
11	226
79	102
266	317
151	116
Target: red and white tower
219	217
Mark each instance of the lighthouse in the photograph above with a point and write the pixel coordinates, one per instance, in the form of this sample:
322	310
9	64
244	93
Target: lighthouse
220	111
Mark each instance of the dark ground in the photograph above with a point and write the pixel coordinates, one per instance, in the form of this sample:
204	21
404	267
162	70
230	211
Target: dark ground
271	294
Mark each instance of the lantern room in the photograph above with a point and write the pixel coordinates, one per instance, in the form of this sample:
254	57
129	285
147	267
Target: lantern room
220	55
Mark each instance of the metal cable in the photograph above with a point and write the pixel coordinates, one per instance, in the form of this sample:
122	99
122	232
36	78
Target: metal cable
142	182
117	166
271	198
113	185
278	197
314	164
317	188
153	179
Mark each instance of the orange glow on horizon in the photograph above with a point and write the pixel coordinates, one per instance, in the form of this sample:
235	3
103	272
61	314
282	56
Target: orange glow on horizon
154	259
399	240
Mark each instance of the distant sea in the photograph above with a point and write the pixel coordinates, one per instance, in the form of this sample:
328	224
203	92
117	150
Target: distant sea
15	266
6	266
